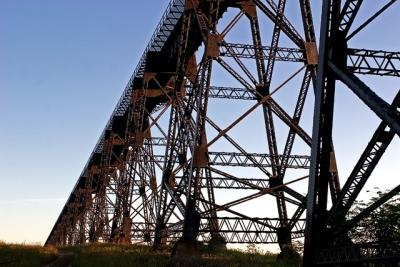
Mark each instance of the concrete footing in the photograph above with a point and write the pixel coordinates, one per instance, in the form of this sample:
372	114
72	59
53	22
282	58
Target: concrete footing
186	249
217	242
289	256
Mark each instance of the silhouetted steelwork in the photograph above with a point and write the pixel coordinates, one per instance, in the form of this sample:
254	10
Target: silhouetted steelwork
326	238
156	176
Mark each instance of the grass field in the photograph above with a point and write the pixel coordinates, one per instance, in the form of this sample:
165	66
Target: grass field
26	255
126	255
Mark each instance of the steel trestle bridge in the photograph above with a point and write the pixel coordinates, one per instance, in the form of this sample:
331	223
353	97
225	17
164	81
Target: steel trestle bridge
178	162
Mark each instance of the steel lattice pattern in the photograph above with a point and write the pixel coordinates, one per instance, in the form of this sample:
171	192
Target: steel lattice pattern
203	143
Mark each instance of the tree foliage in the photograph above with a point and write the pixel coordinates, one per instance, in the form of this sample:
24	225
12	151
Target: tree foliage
383	224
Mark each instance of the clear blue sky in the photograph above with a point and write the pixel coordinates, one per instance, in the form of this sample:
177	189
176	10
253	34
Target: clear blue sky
63	66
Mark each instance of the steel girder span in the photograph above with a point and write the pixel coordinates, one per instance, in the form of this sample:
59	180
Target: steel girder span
219	75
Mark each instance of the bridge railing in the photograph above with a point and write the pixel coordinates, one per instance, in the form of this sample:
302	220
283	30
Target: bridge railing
163	30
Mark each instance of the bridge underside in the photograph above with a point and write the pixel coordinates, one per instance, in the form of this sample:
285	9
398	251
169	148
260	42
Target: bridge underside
224	134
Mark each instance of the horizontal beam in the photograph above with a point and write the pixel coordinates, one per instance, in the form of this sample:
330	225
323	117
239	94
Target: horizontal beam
224	92
249	51
231	93
240	183
235	159
381	252
360	61
375	62
233	229
264	160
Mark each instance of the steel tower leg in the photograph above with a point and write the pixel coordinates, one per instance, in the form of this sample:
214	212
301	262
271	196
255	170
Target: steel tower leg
321	151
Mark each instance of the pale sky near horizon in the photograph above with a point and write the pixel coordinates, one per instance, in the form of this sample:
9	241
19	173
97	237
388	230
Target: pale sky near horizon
63	67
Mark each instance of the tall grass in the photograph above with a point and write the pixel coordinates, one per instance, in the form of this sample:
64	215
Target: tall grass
135	255
22	255
117	255
113	255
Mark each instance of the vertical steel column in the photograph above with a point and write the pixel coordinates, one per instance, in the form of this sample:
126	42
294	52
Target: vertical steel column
177	144
321	151
199	162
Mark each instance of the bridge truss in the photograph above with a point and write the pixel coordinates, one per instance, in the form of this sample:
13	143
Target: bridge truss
210	141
